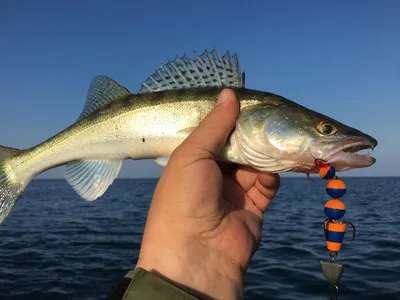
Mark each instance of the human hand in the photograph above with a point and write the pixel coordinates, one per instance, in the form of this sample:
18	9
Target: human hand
205	219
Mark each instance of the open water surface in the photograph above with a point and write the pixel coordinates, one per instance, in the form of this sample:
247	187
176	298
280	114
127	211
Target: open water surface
57	246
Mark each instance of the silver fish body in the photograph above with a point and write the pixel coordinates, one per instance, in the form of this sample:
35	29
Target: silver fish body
144	126
272	133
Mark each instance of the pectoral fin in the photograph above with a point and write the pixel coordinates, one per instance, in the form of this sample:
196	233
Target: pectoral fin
162	161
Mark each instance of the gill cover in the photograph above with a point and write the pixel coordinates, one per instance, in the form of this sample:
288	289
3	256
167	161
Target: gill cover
252	141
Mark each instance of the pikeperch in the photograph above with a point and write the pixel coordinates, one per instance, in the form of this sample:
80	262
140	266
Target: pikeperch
272	133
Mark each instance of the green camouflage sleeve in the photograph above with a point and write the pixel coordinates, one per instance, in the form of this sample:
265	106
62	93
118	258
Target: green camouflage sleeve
141	284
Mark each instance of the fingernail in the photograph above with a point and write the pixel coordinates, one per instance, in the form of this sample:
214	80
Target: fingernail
223	96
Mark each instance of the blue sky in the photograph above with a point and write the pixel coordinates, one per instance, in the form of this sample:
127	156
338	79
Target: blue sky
341	58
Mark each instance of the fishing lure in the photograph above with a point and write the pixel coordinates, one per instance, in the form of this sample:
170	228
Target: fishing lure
334	227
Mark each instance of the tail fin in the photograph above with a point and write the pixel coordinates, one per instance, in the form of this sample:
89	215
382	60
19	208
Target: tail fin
11	187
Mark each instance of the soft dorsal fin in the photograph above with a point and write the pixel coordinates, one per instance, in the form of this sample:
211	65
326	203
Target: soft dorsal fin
102	90
208	70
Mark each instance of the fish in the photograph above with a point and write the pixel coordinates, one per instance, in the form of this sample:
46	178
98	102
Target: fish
272	133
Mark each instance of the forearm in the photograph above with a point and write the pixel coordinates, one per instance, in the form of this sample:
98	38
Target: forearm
141	284
207	275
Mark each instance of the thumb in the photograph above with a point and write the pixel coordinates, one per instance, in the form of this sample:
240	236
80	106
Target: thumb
208	139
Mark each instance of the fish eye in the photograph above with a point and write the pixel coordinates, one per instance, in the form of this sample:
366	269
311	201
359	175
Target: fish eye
327	127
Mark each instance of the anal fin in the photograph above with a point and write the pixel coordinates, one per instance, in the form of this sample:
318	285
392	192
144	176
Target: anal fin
91	178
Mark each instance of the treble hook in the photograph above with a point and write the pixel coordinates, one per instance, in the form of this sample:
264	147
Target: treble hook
354	229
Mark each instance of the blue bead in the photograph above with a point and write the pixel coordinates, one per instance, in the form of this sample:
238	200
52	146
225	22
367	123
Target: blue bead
336	237
336	193
334	214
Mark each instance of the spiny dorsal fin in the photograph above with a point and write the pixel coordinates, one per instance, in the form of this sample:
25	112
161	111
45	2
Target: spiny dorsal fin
208	70
91	178
102	90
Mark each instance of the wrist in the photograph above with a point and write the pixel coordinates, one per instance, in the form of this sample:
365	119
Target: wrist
209	276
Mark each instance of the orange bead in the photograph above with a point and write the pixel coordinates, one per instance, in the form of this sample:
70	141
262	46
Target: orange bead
334	247
335	209
335	188
327	172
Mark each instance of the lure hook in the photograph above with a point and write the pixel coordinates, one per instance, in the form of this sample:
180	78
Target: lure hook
354	229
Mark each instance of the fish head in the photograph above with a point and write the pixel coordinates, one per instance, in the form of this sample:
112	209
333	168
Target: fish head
284	136
340	145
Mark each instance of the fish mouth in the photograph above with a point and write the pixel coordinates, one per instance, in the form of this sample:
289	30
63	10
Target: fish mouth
348	157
